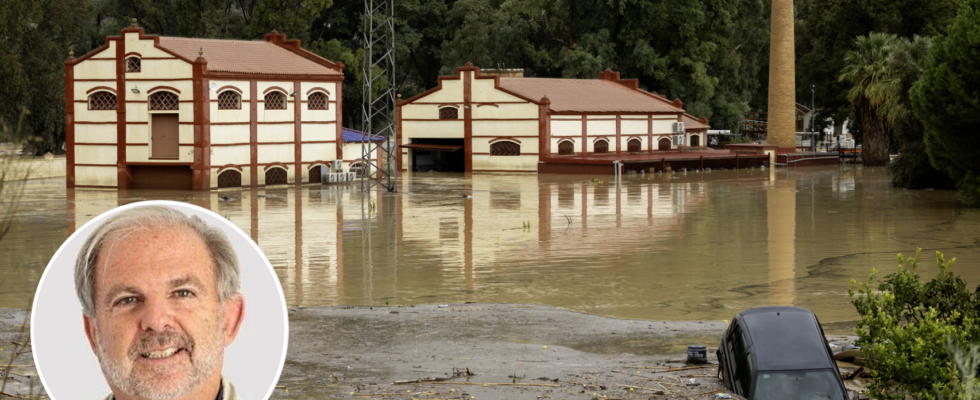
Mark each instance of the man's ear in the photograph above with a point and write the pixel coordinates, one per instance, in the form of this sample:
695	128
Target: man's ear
234	315
90	332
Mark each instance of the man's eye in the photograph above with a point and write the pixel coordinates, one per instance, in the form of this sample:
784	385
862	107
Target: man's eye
126	301
183	293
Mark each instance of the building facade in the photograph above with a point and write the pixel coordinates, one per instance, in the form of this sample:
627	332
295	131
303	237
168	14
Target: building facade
480	122
147	111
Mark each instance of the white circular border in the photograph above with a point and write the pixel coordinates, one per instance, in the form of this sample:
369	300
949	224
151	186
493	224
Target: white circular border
182	207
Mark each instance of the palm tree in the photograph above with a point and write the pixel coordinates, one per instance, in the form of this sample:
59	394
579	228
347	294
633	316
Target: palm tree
875	83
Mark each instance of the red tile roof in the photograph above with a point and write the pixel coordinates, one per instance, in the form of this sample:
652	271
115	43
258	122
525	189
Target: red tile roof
588	95
691	123
245	57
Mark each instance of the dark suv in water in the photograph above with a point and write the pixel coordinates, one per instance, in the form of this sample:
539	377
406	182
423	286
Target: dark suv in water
779	353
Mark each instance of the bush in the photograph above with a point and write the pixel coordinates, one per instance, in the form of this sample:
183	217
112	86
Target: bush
907	326
912	170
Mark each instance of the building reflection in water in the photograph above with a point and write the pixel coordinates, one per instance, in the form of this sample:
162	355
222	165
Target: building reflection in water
663	246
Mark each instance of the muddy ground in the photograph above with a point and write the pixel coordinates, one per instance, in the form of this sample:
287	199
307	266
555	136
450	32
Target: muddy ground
479	351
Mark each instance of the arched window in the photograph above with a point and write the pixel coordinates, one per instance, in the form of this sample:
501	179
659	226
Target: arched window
275	101
505	149
566	147
356	168
102	101
601	146
633	145
663	144
229	100
448	113
315	174
164	101
133	64
229	178
318	101
275	176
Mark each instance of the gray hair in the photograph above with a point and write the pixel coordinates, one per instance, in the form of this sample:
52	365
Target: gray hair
223	256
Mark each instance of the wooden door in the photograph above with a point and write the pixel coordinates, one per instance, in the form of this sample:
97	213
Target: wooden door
663	144
164	140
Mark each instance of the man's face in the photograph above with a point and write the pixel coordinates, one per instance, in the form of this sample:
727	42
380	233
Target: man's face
159	326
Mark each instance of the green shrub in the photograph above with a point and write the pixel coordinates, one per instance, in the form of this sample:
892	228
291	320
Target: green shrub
906	327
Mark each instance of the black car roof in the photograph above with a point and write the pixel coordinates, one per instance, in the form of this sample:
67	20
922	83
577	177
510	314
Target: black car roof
786	338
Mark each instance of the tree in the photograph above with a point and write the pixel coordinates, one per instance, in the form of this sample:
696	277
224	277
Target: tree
911	169
873	83
827	32
35	37
947	101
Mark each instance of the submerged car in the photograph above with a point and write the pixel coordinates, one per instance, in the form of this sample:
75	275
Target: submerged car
779	353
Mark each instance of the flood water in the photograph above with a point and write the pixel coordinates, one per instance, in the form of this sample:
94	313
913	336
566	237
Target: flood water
681	246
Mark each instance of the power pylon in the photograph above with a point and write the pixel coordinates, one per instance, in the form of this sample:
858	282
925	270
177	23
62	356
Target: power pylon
378	108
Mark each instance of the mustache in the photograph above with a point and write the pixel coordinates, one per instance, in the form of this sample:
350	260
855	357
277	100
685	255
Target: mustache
151	340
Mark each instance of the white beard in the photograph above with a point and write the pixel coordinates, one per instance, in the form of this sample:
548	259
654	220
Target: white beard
205	356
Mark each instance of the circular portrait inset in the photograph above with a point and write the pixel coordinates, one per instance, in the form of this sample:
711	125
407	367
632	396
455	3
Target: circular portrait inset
159	300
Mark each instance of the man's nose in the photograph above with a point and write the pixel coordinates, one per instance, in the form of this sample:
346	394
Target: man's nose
158	315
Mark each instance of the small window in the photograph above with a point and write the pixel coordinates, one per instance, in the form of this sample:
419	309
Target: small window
448	113
318	101
356	168
229	100
505	149
602	146
315	174
633	145
164	101
102	101
230	178
133	64
275	101
566	148
275	176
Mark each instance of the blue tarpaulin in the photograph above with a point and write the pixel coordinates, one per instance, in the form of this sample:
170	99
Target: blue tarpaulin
352	136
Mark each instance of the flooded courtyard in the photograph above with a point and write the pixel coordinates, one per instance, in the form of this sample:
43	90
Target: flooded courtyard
681	246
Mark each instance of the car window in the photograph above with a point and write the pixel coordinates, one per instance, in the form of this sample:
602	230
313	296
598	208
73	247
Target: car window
797	385
738	346
744	375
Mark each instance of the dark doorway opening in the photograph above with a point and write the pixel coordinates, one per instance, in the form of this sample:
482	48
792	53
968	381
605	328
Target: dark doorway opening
425	160
695	141
663	144
166	177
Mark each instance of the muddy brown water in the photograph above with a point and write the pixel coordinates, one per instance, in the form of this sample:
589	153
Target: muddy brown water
681	246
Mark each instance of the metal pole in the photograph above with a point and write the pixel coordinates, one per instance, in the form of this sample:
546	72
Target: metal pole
813	113
378	108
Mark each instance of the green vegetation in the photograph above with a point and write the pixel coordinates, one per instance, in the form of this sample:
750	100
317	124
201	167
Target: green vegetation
713	55
946	100
909	329
826	30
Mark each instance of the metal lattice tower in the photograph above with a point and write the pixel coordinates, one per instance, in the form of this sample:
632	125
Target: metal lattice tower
378	108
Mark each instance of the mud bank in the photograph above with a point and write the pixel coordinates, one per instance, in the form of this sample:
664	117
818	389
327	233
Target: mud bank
479	351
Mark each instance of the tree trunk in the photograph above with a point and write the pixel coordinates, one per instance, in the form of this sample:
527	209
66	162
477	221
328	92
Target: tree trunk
874	150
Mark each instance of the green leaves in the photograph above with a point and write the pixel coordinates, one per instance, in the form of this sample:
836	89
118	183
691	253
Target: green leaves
906	327
947	101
